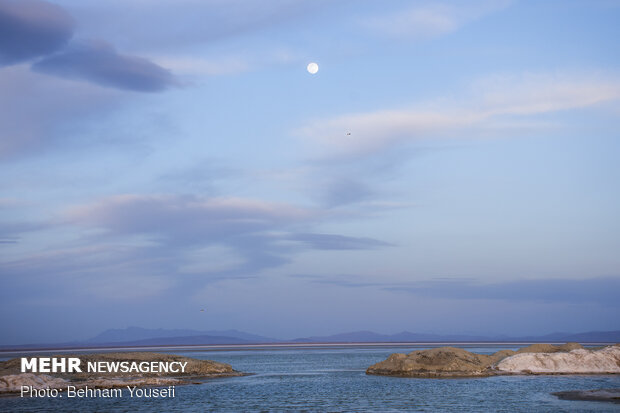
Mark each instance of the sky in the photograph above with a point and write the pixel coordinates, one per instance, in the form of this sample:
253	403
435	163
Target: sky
451	168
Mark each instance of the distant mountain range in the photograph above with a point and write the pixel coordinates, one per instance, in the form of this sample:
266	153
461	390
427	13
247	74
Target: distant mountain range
406	336
137	336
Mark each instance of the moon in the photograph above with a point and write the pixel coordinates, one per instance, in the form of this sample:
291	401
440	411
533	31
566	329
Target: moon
312	68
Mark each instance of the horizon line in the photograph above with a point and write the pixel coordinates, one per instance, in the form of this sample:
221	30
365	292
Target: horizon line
224	347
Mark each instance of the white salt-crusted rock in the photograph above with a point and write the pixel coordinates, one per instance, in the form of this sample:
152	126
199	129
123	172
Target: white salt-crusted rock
603	361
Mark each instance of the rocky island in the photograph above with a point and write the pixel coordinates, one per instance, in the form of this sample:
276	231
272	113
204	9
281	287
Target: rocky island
451	362
12	378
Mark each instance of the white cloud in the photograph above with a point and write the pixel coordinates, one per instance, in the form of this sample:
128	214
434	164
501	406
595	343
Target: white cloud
363	132
540	93
239	61
147	26
498	103
177	216
431	19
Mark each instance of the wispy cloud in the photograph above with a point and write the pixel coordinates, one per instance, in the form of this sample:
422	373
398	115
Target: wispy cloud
205	67
596	290
100	63
10	231
600	290
337	242
185	218
101	270
340	280
494	99
431	19
258	234
533	93
173	25
173	239
189	220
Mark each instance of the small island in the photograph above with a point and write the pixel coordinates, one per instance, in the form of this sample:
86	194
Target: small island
12	378
451	362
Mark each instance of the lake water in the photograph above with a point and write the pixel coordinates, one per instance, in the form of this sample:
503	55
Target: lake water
333	379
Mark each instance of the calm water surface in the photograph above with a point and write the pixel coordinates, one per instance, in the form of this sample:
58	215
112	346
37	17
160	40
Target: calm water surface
333	379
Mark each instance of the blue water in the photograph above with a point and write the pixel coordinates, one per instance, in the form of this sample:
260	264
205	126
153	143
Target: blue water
333	379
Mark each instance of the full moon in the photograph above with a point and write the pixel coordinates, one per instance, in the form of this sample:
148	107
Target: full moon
312	68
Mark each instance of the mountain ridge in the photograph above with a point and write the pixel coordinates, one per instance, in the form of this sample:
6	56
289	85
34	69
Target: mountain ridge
406	336
138	336
138	333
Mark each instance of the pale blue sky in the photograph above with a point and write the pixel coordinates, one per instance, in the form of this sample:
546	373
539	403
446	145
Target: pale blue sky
452	167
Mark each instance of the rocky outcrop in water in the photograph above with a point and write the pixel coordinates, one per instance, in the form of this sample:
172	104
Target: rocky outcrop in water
13	383
11	377
579	361
549	348
437	362
570	358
